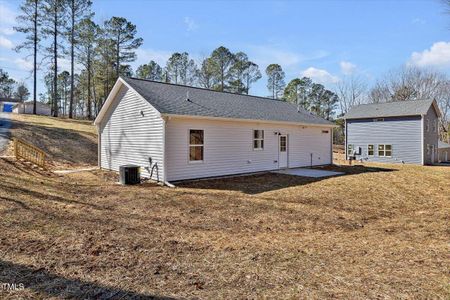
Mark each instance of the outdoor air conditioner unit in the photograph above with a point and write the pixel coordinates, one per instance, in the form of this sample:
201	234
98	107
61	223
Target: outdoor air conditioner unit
129	174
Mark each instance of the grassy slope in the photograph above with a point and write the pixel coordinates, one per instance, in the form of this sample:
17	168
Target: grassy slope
69	143
364	235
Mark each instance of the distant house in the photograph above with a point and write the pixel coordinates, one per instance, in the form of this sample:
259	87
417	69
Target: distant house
177	132
27	108
395	132
444	151
7	104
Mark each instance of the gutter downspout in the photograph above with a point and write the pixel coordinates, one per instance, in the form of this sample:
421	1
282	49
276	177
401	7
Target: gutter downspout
345	143
332	134
99	146
422	137
165	182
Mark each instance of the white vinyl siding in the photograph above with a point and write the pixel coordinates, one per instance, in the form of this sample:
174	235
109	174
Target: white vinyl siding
132	133
404	135
228	147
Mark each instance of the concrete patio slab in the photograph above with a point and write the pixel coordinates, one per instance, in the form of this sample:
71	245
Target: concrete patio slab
308	172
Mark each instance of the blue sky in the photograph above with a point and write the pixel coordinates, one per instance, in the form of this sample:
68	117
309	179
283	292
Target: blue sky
325	40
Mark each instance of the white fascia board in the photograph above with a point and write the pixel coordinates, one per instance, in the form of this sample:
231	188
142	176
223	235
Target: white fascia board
112	96
175	116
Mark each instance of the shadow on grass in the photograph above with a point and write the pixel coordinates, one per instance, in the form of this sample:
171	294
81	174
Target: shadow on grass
266	182
52	285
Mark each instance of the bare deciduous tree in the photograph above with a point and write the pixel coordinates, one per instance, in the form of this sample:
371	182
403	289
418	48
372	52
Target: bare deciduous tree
352	91
412	83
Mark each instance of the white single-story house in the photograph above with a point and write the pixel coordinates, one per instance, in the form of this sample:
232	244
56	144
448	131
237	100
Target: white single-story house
176	132
27	108
444	151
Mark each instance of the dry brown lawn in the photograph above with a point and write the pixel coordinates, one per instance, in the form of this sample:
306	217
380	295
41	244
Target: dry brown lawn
68	143
378	232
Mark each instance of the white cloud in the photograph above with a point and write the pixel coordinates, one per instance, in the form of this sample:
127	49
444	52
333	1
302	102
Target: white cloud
320	75
191	25
271	54
7	19
23	64
6	43
144	56
347	68
7	31
264	56
437	56
418	21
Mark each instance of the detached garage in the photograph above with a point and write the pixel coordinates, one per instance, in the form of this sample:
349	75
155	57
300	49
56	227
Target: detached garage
7	104
27	108
176	132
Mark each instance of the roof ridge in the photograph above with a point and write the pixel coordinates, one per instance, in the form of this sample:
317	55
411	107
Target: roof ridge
206	89
398	101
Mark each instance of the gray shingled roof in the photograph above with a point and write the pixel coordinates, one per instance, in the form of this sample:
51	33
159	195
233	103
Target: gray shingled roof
390	109
171	99
442	145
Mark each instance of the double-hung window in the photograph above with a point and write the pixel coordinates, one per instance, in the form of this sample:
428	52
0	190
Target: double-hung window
385	150
196	146
258	139
427	125
370	150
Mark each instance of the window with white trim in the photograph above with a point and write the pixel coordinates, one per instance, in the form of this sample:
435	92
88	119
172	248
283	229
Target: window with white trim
427	125
258	139
370	150
435	126
385	150
196	145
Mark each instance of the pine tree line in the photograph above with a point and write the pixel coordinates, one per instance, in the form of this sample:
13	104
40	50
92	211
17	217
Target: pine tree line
100	53
234	72
97	53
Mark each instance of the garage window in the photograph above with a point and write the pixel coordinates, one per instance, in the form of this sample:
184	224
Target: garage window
370	150
385	150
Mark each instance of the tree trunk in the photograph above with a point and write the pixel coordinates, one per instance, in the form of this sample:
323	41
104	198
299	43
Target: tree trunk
118	57
89	111
55	57
72	62
273	88
35	57
221	79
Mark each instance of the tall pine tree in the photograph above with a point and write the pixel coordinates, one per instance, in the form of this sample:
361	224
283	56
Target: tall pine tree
29	23
54	21
275	82
122	34
77	10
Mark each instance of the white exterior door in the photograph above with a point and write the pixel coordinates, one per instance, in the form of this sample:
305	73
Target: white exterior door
283	152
